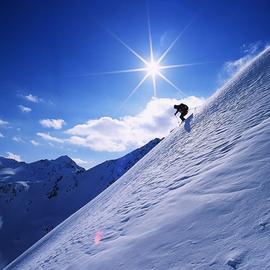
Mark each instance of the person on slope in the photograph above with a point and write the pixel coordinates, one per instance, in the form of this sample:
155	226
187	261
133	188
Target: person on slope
183	109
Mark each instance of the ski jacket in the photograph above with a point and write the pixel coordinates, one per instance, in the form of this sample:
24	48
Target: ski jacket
181	107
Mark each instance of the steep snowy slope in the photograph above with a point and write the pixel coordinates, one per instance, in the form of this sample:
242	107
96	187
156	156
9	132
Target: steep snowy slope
199	200
36	197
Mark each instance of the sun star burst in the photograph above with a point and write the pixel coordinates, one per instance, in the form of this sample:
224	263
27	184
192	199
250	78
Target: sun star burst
153	67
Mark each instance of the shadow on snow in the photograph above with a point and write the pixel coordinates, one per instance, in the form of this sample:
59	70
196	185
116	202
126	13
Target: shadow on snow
187	123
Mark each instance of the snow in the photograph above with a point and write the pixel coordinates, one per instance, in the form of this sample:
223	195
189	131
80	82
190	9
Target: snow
11	163
199	200
42	194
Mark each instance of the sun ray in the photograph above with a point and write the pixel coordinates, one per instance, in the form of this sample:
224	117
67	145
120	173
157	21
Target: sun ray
127	46
152	66
154	85
135	89
173	43
113	72
172	84
184	65
150	37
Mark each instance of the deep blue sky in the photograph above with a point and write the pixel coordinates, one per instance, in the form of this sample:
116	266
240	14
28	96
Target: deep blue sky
46	45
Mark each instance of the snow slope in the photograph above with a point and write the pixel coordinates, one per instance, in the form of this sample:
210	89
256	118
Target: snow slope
36	197
199	200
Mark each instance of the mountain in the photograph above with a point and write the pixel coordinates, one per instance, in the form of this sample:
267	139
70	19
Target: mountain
36	197
7	166
42	170
199	200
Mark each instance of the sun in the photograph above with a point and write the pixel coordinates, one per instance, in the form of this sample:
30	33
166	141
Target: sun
153	68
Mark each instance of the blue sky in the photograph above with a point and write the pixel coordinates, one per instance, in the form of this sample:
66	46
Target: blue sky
49	107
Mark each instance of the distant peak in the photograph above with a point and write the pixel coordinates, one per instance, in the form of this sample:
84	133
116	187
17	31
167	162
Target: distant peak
65	159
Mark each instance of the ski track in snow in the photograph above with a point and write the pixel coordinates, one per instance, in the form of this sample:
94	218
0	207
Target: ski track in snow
199	200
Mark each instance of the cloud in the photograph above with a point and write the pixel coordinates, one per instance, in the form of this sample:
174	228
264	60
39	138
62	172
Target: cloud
35	143
18	139
24	109
52	123
86	163
3	123
32	98
48	137
1	135
13	156
116	135
250	51
108	134
80	162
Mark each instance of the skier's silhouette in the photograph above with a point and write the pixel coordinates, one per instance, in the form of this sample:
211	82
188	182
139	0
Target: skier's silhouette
183	109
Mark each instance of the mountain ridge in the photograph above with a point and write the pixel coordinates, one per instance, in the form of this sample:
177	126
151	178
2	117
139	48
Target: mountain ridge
45	192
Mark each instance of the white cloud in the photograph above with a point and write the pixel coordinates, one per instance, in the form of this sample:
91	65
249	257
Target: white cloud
113	135
35	143
48	137
32	98
1	135
250	51
3	123
18	139
52	123
13	156
86	163
24	109
80	162
108	134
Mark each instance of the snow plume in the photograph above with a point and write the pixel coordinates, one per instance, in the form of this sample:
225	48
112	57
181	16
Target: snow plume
13	156
113	135
249	52
52	123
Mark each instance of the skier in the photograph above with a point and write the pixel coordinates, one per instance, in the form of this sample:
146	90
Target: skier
183	109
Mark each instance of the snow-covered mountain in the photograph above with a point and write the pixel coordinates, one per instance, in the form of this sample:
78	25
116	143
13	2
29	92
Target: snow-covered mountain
36	197
199	200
